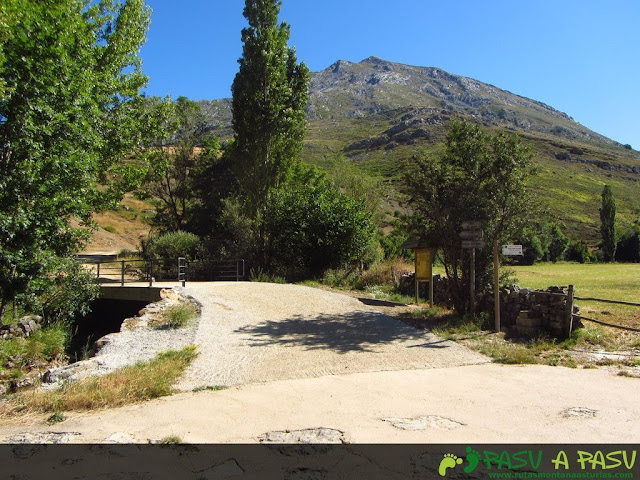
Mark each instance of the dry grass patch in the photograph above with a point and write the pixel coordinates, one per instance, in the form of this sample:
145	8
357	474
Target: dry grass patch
133	384
176	316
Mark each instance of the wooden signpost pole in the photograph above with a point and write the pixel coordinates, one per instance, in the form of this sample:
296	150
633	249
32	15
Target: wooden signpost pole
472	281
496	283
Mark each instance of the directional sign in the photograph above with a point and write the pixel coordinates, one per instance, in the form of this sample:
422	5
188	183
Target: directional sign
512	250
473	244
471	225
471	234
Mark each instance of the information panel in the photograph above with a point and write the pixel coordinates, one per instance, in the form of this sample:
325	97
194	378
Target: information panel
423	264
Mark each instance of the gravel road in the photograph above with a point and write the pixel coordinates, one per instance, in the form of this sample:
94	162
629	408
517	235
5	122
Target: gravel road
260	332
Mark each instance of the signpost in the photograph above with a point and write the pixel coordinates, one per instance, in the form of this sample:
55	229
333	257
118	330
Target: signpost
512	250
471	236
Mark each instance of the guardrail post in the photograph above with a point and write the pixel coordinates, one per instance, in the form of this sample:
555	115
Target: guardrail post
98	273
150	272
569	309
122	275
182	270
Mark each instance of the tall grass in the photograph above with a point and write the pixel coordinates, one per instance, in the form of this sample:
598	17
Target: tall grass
133	384
18	355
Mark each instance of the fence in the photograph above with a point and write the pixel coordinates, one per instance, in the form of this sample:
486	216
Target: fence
618	302
570	312
112	271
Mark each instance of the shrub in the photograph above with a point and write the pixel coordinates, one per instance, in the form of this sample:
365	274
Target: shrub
312	226
628	248
577	252
65	291
172	245
17	355
558	243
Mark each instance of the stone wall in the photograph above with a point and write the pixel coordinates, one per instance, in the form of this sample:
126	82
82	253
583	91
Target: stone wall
529	312
524	312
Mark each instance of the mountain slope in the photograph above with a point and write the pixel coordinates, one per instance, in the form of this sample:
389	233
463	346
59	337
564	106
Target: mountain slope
377	114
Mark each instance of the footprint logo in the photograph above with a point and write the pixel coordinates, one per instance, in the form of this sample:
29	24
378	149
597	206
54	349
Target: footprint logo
473	457
449	461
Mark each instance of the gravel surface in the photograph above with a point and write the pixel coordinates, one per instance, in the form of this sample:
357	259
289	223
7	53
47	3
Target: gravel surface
138	341
260	332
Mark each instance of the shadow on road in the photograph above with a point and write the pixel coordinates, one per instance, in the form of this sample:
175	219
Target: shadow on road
353	332
380	303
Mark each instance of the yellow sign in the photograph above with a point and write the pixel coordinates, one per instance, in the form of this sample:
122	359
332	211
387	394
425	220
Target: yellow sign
423	264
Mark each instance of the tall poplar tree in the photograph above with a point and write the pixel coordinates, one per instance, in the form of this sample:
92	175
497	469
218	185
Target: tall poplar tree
270	94
608	224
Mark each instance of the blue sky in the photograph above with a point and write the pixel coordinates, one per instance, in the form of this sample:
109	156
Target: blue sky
579	56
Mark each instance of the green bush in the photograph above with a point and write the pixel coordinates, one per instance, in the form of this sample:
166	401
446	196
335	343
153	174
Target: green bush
259	275
172	245
558	243
17	355
628	248
340	278
312	226
63	292
577	252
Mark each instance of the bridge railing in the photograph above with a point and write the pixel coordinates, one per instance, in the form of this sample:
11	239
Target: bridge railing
109	270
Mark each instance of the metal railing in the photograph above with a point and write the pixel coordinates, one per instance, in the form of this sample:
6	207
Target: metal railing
109	270
217	271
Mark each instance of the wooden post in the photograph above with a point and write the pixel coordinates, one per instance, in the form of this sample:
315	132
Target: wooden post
431	291
150	273
472	281
122	275
496	283
569	309
98	274
417	288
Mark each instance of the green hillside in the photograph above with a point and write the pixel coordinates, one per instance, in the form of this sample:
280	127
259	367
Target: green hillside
375	114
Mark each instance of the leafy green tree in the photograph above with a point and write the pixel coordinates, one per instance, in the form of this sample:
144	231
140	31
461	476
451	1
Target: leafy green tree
68	114
215	188
628	248
312	226
532	248
270	94
608	224
171	164
170	246
577	251
558	243
479	177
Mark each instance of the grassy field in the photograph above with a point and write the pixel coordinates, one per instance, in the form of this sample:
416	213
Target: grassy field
584	347
617	281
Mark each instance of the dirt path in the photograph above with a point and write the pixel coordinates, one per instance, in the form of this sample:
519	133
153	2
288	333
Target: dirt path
343	372
485	403
259	332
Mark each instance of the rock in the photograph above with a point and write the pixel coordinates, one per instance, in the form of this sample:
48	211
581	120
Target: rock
120	437
101	343
26	382
69	371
